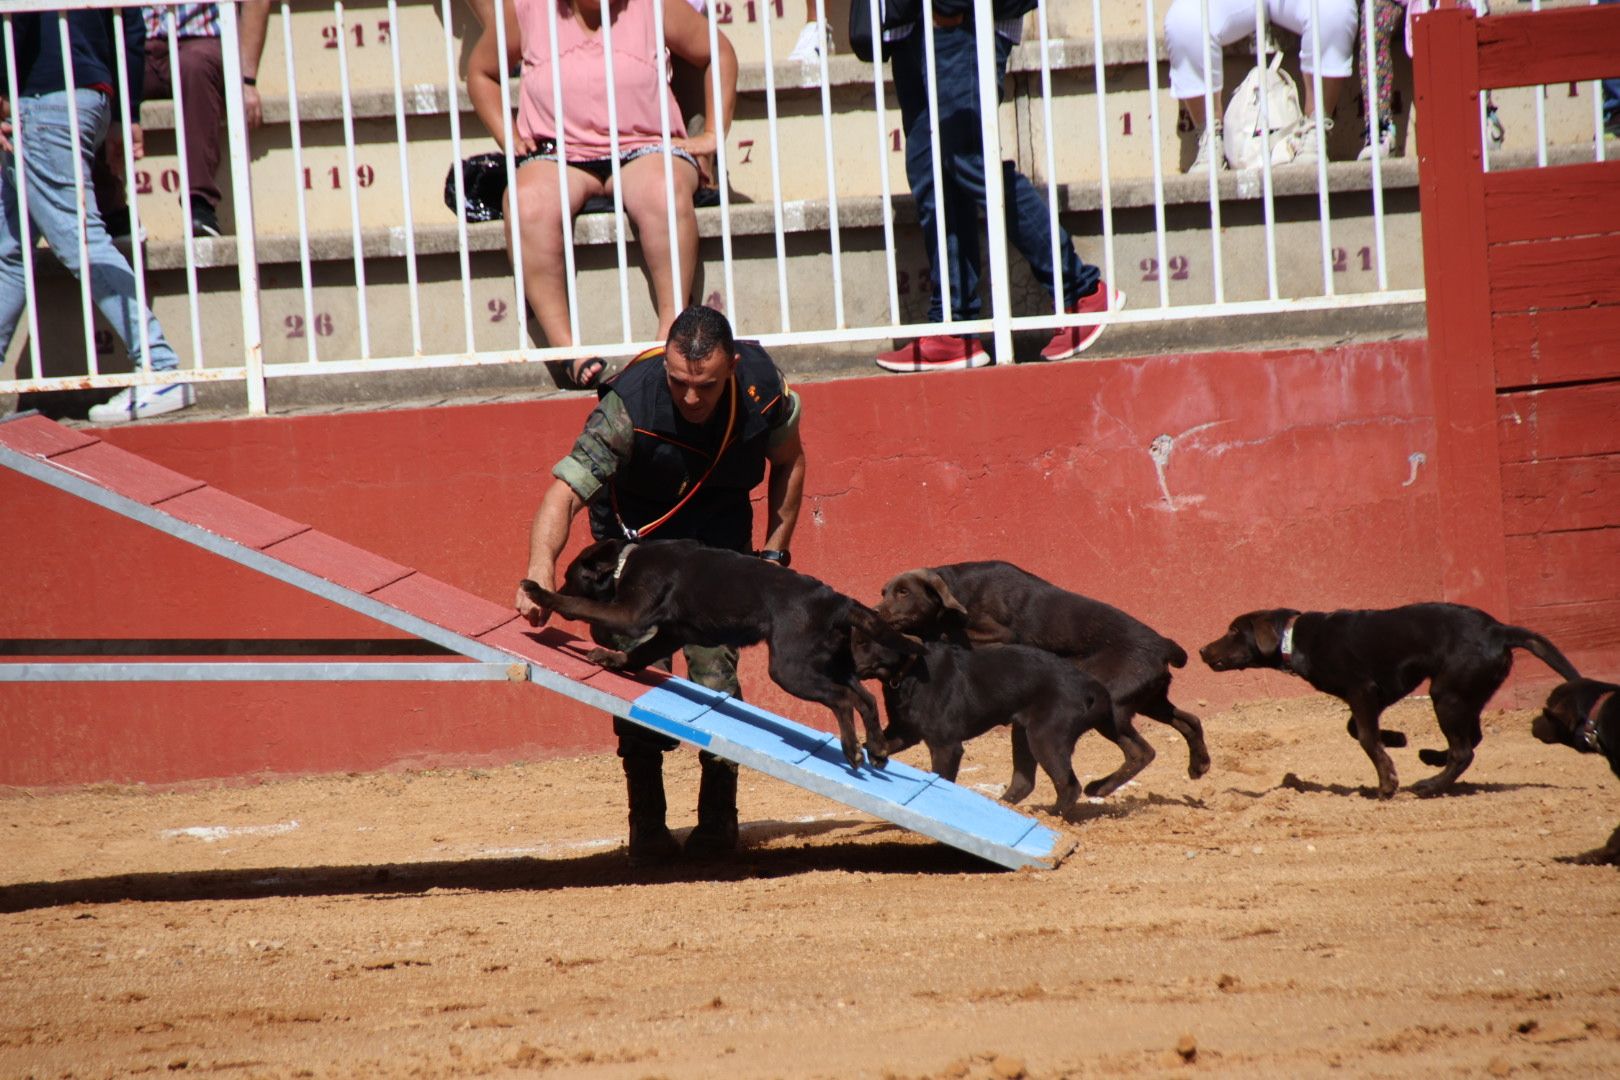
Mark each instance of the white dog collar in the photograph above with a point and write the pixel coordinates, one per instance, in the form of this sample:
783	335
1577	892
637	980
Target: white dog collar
618	570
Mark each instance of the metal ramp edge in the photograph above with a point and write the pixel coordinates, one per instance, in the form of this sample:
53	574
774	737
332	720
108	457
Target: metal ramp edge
81	464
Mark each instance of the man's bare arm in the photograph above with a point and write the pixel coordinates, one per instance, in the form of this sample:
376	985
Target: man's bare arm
547	538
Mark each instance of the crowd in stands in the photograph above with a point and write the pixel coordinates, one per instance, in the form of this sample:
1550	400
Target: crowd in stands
1196	32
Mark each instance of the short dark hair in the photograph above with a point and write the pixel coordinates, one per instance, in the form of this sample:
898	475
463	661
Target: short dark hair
698	331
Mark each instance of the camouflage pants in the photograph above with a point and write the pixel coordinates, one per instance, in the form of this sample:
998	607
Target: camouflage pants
715	668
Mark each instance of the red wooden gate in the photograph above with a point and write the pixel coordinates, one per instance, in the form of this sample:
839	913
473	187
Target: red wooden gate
1522	268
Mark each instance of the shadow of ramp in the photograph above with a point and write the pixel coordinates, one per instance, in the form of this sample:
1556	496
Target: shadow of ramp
866	852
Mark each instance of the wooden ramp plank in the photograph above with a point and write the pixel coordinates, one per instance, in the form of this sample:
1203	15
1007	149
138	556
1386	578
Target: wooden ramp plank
292	552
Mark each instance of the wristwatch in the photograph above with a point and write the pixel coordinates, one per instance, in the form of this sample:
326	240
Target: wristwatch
775	555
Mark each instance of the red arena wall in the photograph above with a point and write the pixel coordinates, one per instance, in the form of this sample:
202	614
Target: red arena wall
1182	488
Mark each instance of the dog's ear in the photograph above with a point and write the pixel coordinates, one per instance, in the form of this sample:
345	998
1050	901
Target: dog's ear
943	591
911	645
1263	628
591	573
878	634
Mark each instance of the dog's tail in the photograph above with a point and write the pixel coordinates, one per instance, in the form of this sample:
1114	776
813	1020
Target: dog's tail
1519	638
1174	654
874	626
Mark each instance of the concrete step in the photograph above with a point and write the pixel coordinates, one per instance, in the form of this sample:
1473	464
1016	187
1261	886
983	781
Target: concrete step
378	172
369	32
332	321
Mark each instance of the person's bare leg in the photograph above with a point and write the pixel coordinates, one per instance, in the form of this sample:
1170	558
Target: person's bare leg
1331	89
1195	109
541	221
645	203
483	10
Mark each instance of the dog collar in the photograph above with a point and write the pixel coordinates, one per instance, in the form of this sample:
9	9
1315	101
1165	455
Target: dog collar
1588	730
1287	646
905	666
618	570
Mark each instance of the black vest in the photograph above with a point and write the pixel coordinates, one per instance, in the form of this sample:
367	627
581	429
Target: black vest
670	455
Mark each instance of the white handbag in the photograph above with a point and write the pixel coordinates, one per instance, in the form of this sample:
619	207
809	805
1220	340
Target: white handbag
1241	136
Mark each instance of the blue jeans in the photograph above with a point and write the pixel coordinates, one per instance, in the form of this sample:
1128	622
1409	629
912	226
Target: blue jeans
53	207
961	155
1611	96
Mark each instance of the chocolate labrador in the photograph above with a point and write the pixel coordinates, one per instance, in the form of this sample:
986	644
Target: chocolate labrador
942	695
1372	659
984	603
683	593
1585	714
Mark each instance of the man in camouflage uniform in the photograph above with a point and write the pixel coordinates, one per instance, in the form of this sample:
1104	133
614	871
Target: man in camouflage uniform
672	451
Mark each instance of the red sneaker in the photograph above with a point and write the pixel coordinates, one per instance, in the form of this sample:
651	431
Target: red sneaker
1072	339
936	352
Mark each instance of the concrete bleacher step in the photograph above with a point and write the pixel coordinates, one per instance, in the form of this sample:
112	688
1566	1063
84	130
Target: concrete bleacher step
369	32
332	326
378	176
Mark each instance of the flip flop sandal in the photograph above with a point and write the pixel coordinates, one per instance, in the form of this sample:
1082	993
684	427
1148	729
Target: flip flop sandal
584	373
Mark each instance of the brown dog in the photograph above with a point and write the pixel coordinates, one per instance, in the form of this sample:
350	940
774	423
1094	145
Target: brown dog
985	603
1585	714
1372	659
942	695
683	593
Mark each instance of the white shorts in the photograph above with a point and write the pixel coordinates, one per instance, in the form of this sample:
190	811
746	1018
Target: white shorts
1233	20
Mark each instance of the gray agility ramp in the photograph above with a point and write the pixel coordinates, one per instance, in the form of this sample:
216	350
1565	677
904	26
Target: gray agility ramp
494	642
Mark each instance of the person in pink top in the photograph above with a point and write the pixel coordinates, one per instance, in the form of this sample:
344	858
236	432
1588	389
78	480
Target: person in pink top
640	77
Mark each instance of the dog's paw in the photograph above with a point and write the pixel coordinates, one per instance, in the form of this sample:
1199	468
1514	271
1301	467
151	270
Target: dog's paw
1016	793
1197	767
534	591
1105	786
852	754
608	658
877	755
1428	789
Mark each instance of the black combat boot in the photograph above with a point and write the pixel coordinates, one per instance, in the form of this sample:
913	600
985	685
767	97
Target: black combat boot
716	832
650	839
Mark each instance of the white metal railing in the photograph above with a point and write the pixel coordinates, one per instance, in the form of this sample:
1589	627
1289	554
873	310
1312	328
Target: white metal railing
272	231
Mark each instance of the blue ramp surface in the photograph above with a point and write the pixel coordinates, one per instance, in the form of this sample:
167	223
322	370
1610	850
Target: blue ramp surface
80	463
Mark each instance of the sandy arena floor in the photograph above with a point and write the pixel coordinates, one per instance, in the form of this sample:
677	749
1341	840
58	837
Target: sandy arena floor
454	923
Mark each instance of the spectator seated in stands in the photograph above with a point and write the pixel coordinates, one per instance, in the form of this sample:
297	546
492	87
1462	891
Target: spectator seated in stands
640	76
1233	20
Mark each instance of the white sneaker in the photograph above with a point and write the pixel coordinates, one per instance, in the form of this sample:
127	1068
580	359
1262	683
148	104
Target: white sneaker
807	50
1210	152
140	402
1386	144
1301	142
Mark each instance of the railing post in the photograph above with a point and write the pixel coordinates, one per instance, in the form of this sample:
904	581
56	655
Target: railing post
247	253
1462	370
995	194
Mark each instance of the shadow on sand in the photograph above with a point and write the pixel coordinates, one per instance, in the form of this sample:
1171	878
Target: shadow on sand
865	851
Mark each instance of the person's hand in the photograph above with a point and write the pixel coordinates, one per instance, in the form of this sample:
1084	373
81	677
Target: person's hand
536	613
5	126
113	148
252	106
699	146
